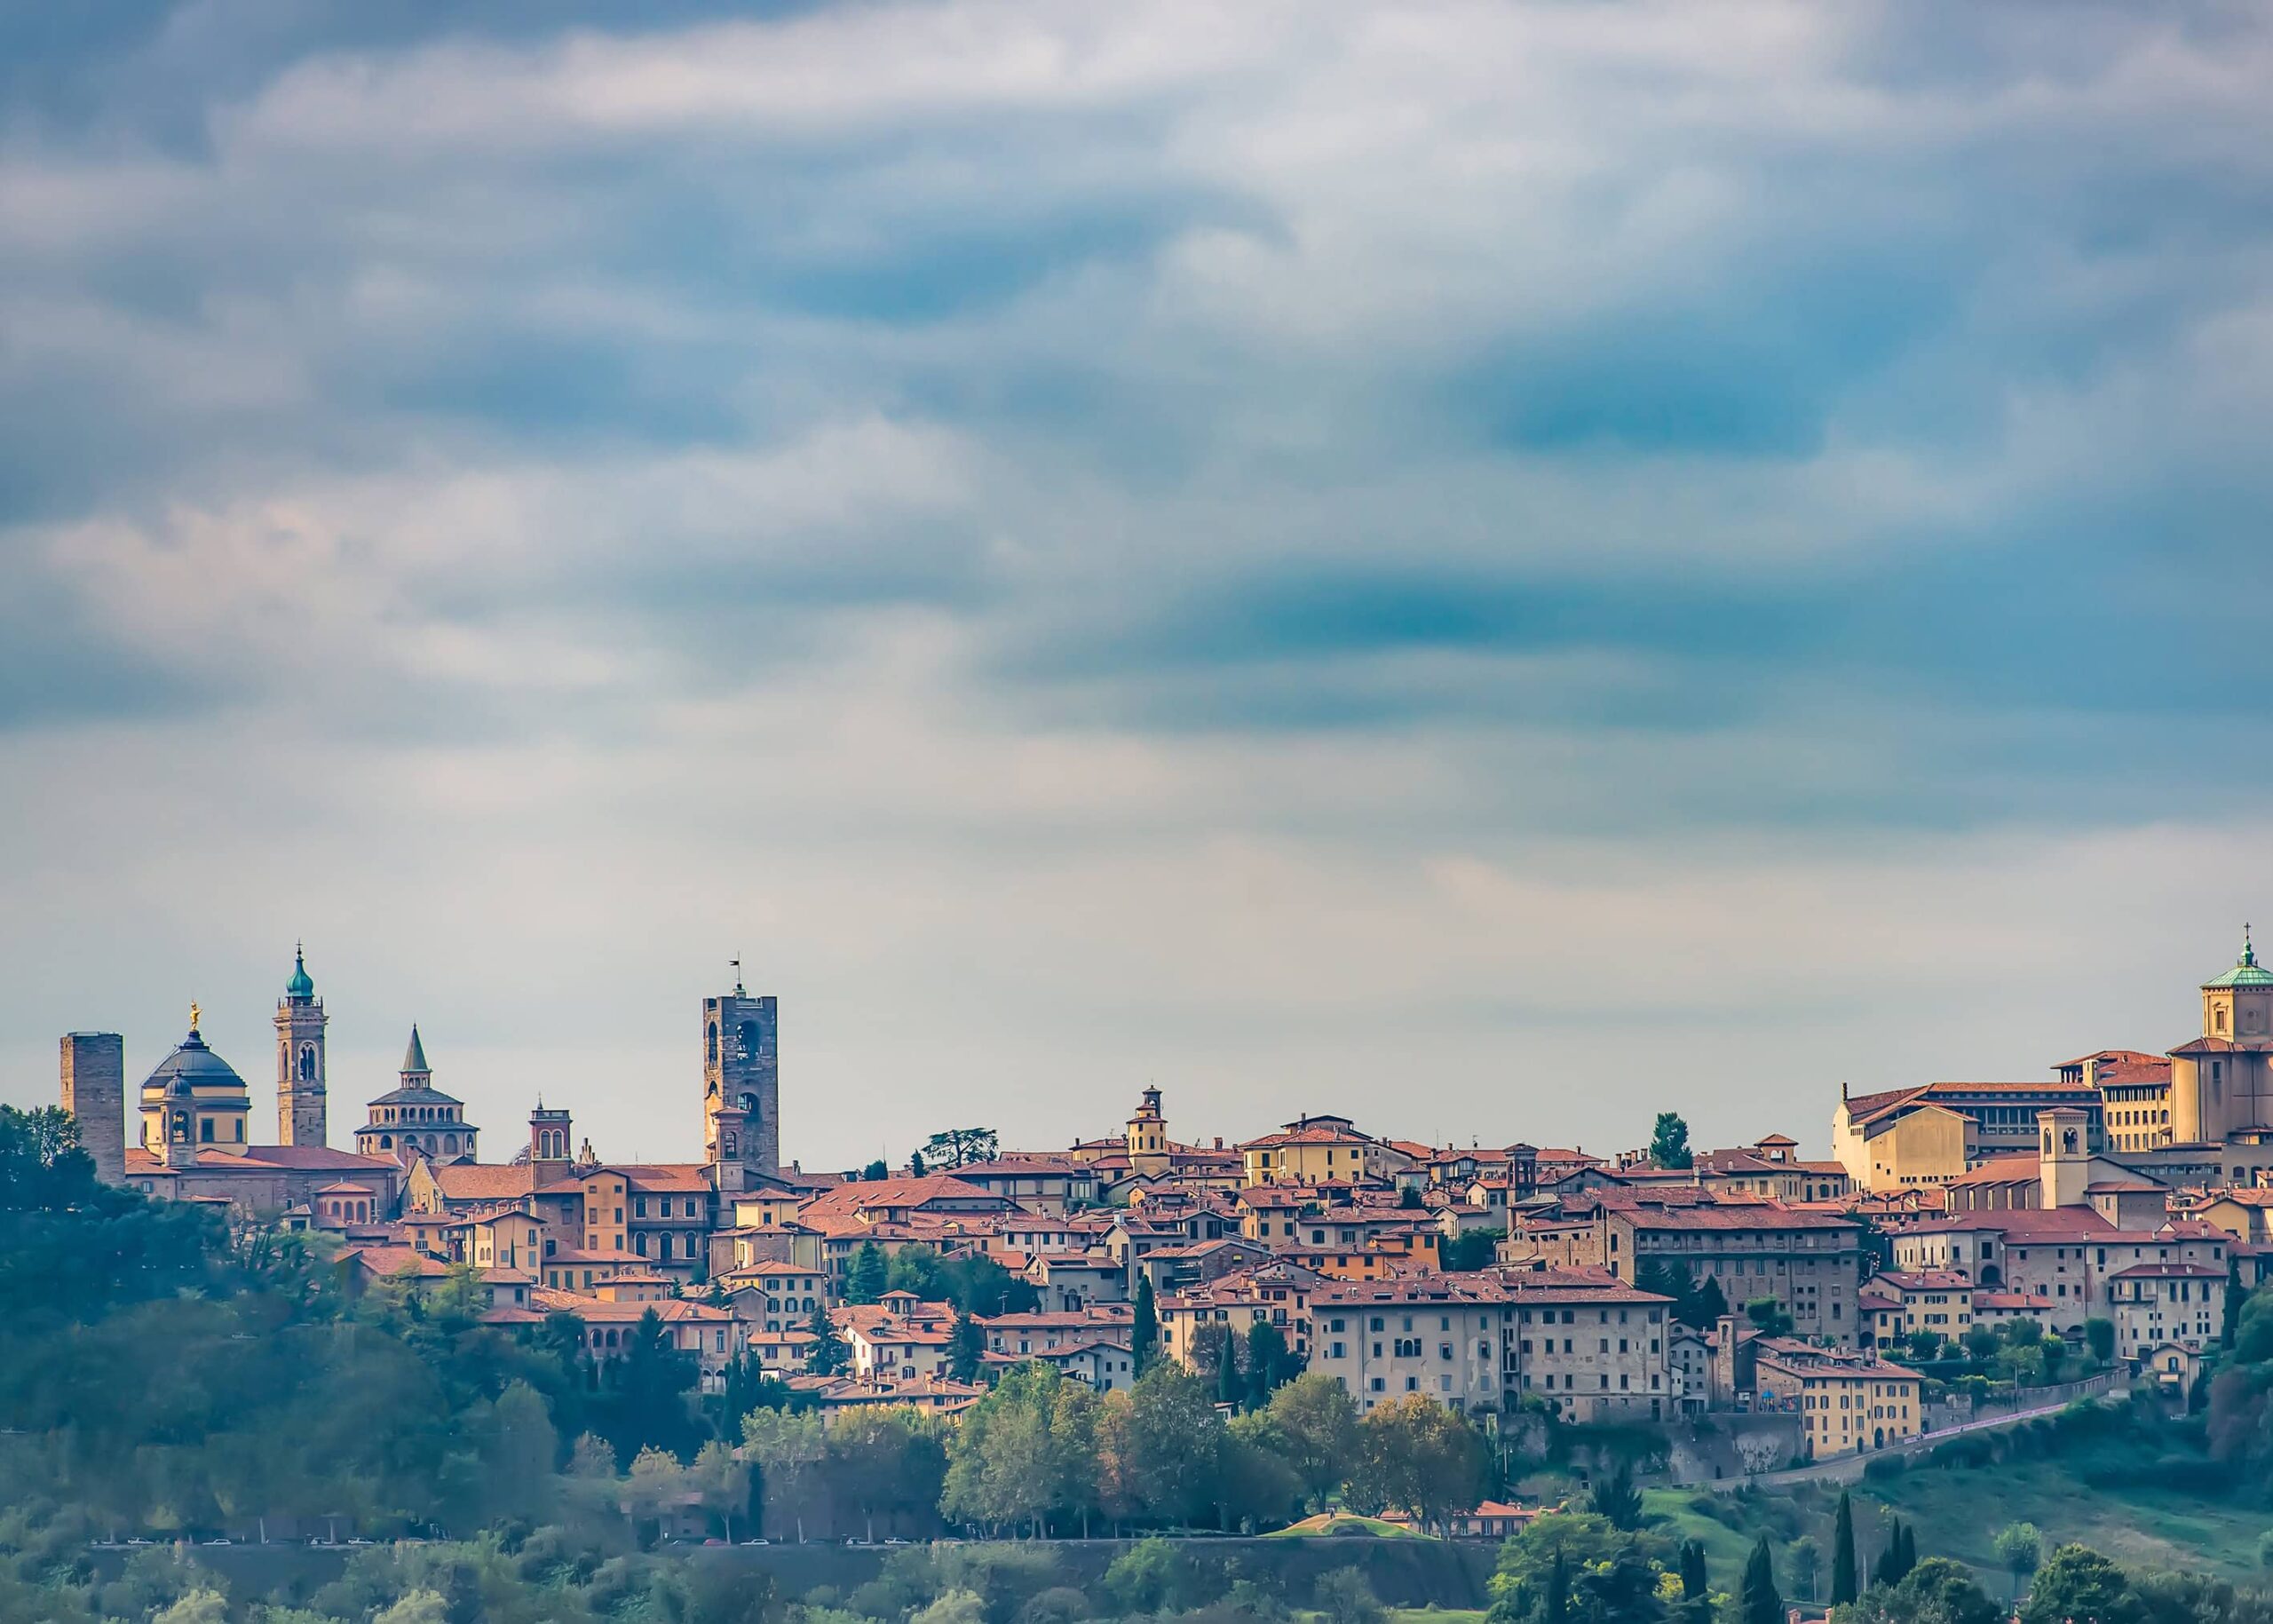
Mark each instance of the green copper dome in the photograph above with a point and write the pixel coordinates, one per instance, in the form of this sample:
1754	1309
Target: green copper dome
300	986
2247	971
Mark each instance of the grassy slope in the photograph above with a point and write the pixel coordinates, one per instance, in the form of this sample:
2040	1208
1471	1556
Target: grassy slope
2099	1492
1344	1527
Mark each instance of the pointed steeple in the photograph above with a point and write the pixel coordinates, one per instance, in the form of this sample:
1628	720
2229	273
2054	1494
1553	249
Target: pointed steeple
414	1058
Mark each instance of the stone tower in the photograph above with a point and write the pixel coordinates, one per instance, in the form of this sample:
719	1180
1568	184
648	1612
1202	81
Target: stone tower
2063	1156
300	1022
2221	1082
94	1092
741	1085
1148	1137
549	1133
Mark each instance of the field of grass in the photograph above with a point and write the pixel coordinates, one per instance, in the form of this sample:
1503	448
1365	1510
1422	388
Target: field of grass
1436	1615
2137	1495
1343	1524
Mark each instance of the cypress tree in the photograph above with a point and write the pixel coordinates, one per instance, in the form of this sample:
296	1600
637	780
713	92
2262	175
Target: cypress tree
1758	1603
1144	1327
1555	1604
1228	1385
1695	1581
1909	1551
1842	1553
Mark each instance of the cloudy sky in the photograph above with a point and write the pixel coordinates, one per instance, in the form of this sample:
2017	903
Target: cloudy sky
1493	567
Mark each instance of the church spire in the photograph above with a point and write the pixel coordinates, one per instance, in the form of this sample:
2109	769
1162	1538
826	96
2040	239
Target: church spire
414	1058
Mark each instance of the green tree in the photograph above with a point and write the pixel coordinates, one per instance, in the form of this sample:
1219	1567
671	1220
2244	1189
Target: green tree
957	1147
1149	1577
918	1268
1669	1142
916	1168
523	1452
1936	1591
864	1280
1525	1580
1555	1596
1803	1563
1144	1327
1695	1578
2076	1584
1269	1365
1315	1422
205	1607
1843	1577
1228	1388
2020	1547
1020	1456
888	1462
648	1403
1174	1440
828	1356
876	1172
788	1447
1615	1499
1344	1597
1421	1457
1759	1601
654	1485
721	1482
1770	1315
1709	1304
2099	1336
966	1348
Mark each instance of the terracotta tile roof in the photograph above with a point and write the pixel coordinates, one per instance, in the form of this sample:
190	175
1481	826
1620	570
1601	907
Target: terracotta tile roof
1922	1280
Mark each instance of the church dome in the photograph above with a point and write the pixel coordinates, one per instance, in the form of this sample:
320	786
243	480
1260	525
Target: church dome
301	985
2247	970
192	1066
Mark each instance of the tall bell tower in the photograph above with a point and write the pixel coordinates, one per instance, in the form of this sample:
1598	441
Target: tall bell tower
741	1078
300	1021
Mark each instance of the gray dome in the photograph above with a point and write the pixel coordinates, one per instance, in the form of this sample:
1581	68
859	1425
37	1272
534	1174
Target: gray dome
192	1066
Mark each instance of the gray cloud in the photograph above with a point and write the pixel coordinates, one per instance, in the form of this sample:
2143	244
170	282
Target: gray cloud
1056	500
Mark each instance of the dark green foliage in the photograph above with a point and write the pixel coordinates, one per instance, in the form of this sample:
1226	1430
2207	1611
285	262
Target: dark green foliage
1228	1388
1555	1605
966	1348
2079	1586
1270	1364
1144	1326
1669	1142
1466	1254
1408	1199
1696	1582
1936	1591
828	1356
865	1280
1616	1501
1843	1581
876	1172
1759	1601
1772	1317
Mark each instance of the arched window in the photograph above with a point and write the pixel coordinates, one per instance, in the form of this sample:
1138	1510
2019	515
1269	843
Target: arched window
750	1040
387	1141
750	1105
450	1144
307	1062
711	1053
237	1132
